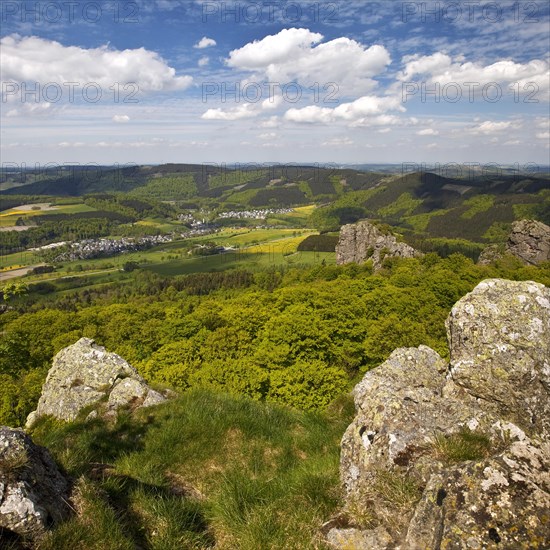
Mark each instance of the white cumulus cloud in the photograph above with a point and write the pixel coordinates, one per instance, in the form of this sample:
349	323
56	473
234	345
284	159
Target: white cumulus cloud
205	42
300	54
427	132
531	77
34	59
121	119
489	127
355	112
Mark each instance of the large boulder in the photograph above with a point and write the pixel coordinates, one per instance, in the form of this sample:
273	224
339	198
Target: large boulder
528	241
33	491
364	241
84	375
456	455
499	339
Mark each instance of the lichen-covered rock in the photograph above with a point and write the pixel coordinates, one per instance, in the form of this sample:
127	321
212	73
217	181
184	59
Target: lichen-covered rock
499	339
491	254
135	392
373	539
457	456
86	374
33	492
363	241
529	241
400	406
500	502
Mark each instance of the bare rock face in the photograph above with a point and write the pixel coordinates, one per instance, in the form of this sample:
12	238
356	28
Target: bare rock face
33	492
86	374
364	241
499	339
529	241
500	502
457	456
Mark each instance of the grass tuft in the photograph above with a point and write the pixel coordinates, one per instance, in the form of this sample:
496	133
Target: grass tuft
461	446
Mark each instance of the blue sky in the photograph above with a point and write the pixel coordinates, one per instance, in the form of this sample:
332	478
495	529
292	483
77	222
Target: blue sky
152	81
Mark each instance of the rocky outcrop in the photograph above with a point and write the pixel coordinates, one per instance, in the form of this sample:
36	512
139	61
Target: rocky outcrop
85	374
456	455
529	241
365	241
499	340
33	492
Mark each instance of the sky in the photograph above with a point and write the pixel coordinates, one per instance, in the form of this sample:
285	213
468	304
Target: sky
273	81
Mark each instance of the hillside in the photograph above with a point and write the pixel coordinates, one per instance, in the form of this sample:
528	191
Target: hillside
422	205
210	470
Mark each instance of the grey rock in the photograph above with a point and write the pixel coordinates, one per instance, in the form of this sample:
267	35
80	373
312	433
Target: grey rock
497	386
499	339
528	241
504	499
491	254
356	539
363	241
33	491
85	374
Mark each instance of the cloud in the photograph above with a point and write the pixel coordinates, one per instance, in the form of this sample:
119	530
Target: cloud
440	68
543	135
357	112
246	110
34	59
338	142
298	54
203	61
271	122
427	132
205	42
242	111
121	119
26	109
488	127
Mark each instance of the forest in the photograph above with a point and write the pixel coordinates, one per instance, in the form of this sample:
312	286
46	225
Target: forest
300	336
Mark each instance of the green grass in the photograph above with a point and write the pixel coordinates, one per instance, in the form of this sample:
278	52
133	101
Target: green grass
203	469
241	260
461	446
404	205
420	222
9	217
477	205
17	259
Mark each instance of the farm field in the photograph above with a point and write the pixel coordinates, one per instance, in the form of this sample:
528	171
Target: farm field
9	217
253	249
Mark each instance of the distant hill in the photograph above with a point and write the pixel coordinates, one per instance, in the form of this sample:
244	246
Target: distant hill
479	208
